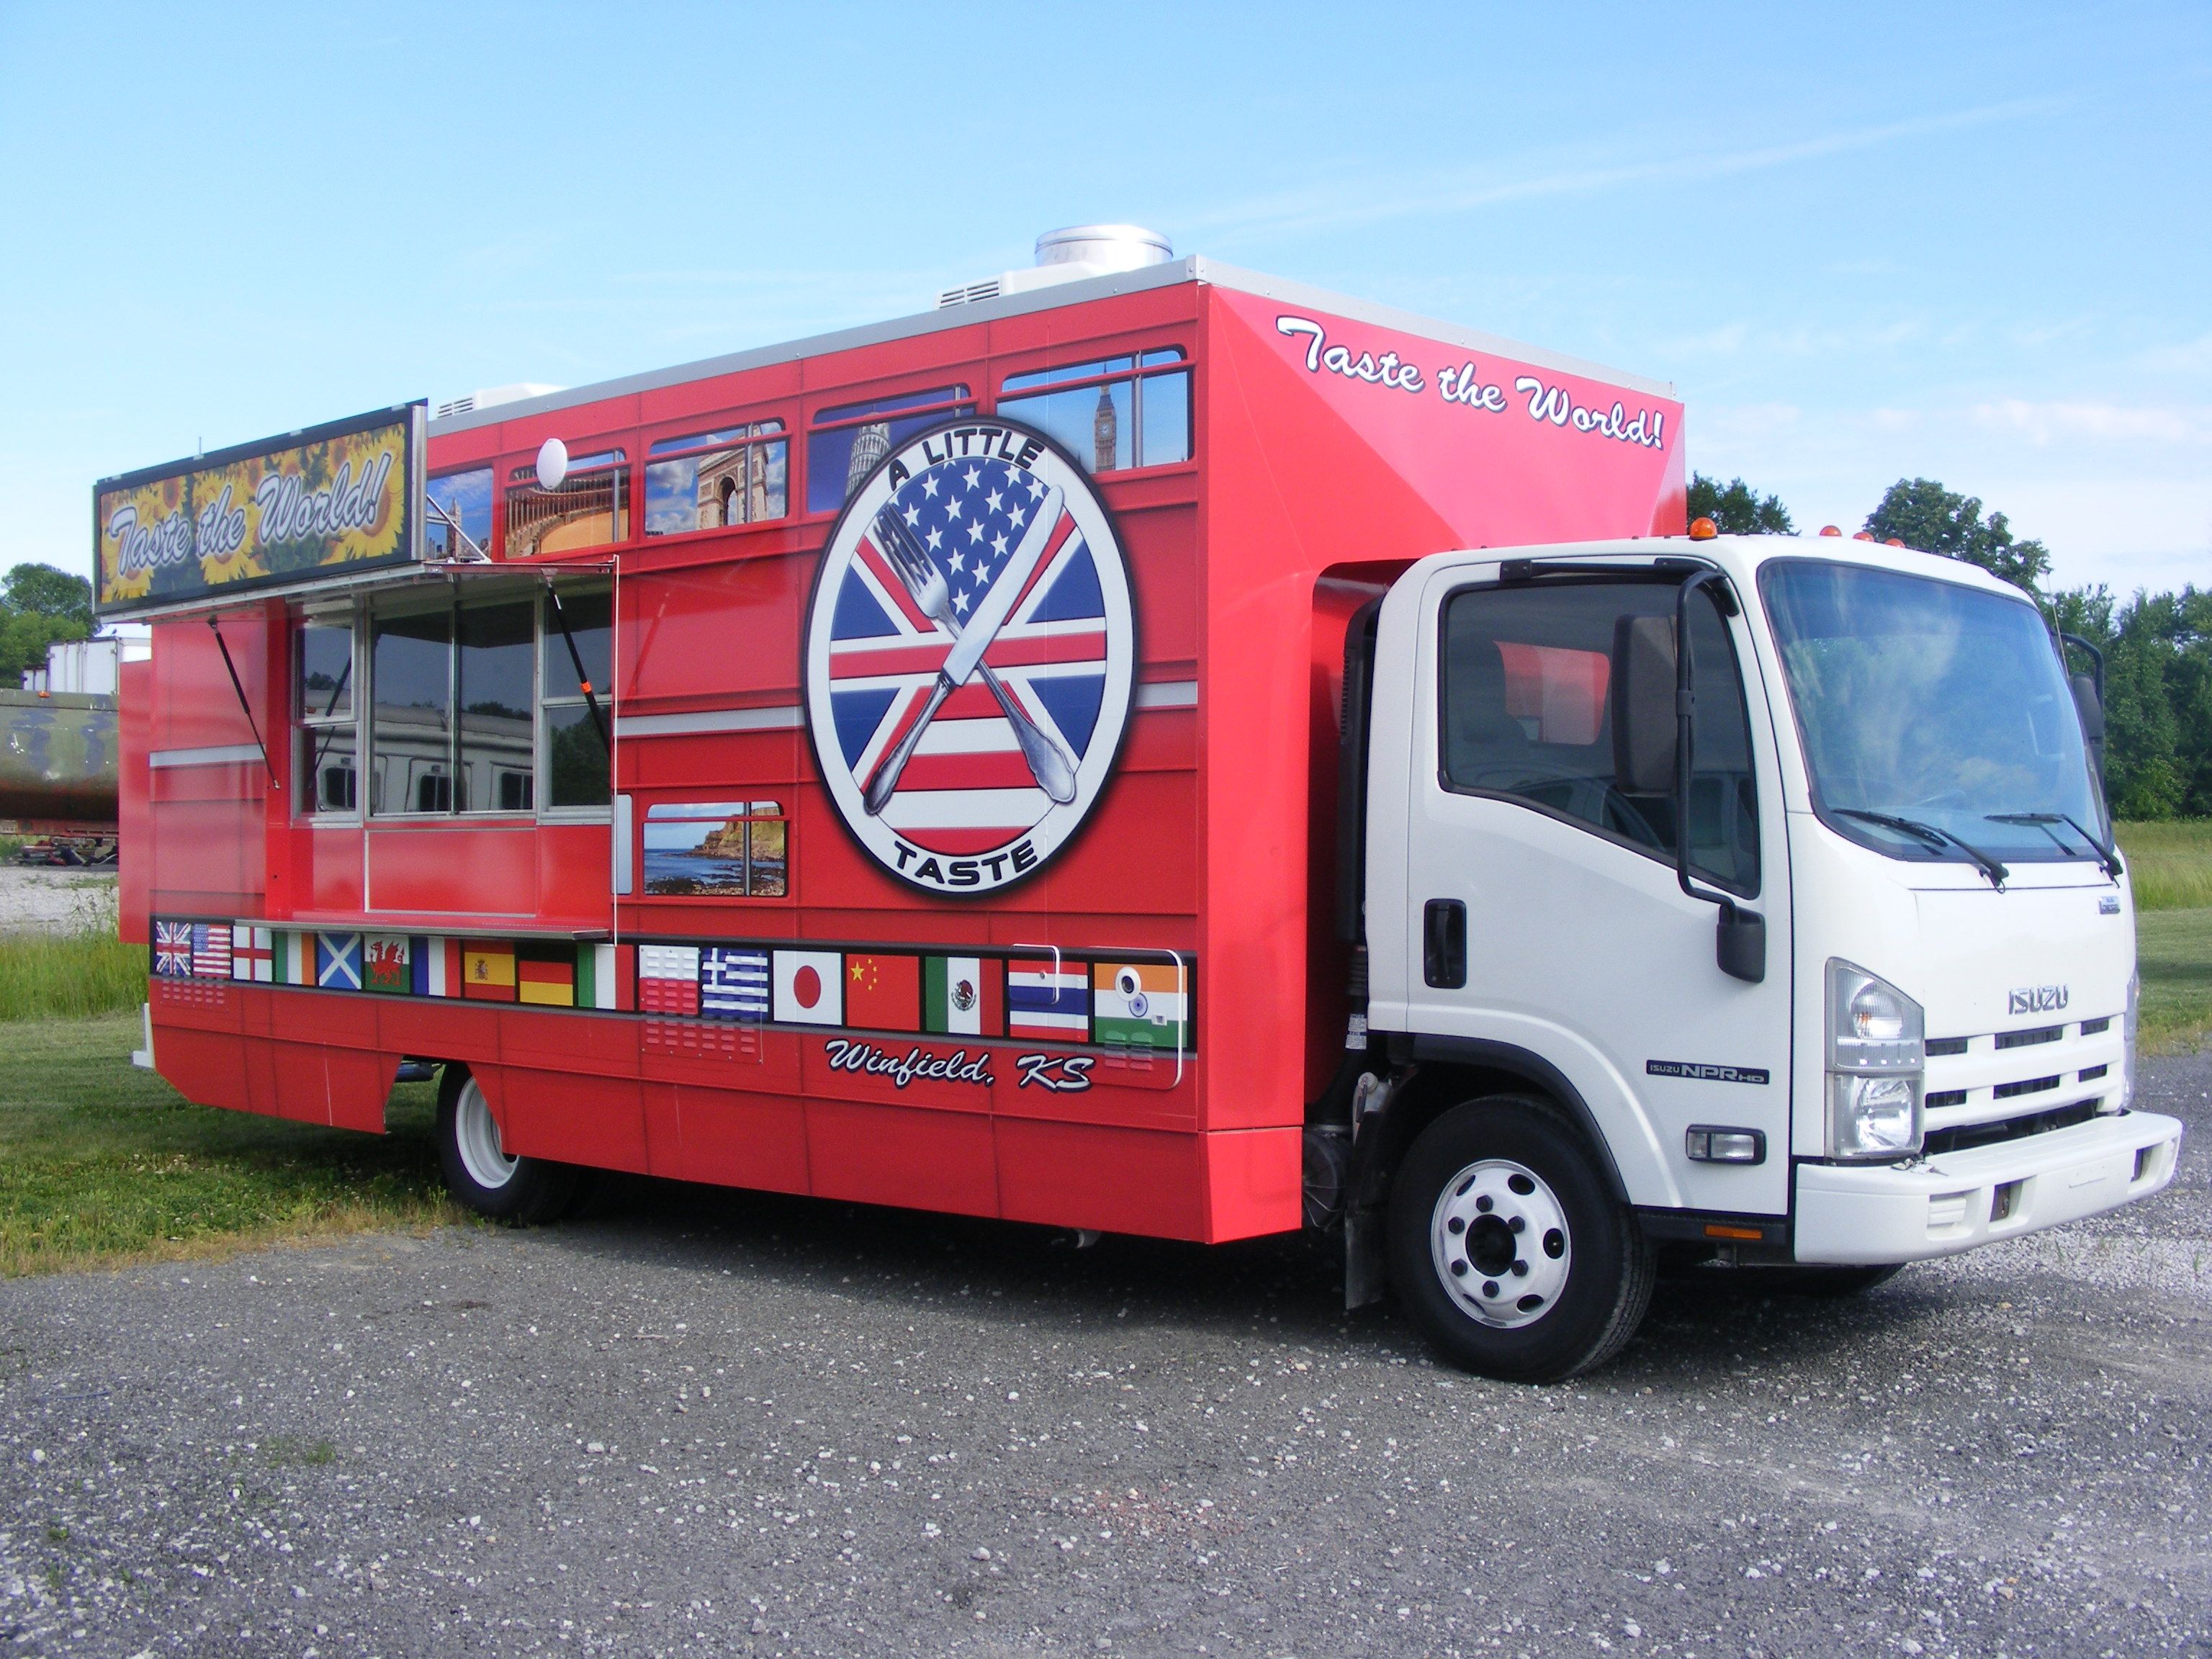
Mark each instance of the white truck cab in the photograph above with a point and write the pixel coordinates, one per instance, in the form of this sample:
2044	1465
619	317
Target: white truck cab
1805	944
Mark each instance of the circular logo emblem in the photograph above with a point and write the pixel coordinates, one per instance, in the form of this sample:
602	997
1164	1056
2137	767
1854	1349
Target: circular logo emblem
970	656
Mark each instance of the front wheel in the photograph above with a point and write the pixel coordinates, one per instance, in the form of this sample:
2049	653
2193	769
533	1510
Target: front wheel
482	1174
1507	1248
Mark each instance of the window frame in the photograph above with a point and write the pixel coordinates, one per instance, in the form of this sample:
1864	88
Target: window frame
306	803
1648	577
521	475
679	431
547	812
958	401
1133	377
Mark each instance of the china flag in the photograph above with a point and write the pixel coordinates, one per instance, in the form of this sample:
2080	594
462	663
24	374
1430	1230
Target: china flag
882	992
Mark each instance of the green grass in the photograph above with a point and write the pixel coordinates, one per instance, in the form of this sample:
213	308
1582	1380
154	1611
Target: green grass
70	975
104	1163
2170	863
2173	953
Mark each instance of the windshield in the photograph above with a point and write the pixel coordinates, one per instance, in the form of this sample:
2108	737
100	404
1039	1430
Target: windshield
1933	705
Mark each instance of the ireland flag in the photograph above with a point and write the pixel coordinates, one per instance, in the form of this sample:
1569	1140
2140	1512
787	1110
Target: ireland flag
963	996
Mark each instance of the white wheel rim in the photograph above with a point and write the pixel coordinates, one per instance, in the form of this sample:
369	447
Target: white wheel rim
476	1134
1499	1240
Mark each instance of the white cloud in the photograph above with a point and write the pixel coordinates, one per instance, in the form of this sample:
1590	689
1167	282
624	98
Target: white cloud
2044	424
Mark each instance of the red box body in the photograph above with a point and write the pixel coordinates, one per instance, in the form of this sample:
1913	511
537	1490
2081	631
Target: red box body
1324	457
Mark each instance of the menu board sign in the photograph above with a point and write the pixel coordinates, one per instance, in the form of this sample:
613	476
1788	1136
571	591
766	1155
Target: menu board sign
327	501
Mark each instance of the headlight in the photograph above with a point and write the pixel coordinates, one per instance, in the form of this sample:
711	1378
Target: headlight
1877	1064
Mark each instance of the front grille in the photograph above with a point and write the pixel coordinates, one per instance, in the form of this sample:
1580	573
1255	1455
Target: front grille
2092	1027
2034	1085
2093	1073
2009	1128
1946	1045
2029	1039
1943	1097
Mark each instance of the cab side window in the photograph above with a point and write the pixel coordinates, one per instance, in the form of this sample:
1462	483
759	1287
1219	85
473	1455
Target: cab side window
1528	715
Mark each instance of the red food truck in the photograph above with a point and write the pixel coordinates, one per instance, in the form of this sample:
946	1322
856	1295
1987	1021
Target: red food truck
901	766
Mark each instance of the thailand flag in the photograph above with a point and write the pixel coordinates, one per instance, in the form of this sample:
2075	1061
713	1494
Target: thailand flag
967	788
1048	1000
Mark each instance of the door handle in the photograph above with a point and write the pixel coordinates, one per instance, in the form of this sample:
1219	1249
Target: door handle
1443	944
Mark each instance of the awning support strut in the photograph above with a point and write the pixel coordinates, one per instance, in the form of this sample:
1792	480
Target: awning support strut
245	708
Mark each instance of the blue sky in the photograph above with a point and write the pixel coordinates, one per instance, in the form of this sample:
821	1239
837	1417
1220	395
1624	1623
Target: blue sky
1966	242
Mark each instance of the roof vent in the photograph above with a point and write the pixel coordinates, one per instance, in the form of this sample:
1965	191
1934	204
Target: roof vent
1069	256
491	397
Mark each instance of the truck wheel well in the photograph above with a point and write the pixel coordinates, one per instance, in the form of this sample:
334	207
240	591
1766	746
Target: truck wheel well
1435	1087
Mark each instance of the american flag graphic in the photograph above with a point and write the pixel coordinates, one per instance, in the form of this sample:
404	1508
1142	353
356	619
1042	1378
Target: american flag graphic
173	949
211	950
967	788
733	984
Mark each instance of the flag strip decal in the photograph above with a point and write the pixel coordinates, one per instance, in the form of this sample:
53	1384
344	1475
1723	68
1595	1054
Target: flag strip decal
1094	998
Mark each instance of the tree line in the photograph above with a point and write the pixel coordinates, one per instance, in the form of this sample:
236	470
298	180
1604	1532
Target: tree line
2157	646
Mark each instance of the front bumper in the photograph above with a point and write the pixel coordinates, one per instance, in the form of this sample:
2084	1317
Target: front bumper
1859	1214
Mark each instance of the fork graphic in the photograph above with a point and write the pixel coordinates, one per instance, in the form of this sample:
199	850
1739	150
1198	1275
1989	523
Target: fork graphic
1049	763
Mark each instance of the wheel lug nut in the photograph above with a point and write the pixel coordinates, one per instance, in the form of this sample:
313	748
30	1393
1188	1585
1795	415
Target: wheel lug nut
1489	1287
1459	1269
1483	1204
1520	1224
1458	1223
1520	1270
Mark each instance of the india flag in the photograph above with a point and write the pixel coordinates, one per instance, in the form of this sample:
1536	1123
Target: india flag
1141	1004
963	996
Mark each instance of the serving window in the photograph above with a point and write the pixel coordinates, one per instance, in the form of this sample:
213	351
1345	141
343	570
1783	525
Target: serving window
474	704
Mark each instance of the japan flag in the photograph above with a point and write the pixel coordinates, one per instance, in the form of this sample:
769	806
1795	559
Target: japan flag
809	988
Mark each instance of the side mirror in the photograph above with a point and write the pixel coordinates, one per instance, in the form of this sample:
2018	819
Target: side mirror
1739	943
1645	728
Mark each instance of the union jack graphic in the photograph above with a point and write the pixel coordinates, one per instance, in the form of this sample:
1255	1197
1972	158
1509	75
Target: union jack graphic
173	949
970	546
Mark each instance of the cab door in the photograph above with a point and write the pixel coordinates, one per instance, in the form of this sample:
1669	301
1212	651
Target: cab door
1548	921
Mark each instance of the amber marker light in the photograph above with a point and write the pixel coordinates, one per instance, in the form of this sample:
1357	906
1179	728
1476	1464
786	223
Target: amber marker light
1893	542
1703	530
1830	530
1863	536
1714	1230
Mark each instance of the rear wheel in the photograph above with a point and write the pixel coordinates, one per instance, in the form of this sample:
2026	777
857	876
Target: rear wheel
1507	1248
482	1174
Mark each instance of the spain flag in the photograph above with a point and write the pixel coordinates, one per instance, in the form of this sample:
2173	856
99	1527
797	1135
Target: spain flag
487	971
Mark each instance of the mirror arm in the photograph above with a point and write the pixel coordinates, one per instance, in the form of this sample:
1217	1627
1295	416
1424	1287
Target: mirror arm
1740	935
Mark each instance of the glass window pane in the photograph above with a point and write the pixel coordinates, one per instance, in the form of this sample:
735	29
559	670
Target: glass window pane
1091	423
1527	671
712	440
325	671
411	734
327	766
590	619
494	660
1723	815
726	487
838	460
1072	372
576	772
590	510
467	497
1164	418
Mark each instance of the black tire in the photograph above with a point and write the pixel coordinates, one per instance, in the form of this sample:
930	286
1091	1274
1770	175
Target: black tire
532	1192
1495	1166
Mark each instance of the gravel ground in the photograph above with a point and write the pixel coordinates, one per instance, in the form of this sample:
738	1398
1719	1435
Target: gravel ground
36	900
705	1422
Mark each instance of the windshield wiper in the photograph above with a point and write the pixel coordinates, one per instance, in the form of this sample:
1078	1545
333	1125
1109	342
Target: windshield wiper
2107	856
1934	838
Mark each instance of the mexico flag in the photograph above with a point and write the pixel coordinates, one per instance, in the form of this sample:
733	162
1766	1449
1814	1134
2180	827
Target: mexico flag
963	996
1140	1004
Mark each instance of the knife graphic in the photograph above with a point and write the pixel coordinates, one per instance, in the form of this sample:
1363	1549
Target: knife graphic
976	635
